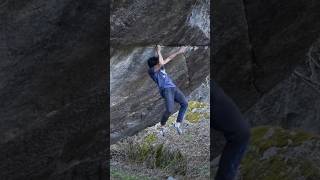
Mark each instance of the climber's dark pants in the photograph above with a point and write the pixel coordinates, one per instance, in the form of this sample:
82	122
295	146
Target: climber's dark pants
228	119
171	95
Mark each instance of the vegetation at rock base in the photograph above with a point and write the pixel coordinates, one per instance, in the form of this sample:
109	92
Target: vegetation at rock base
124	176
282	164
157	157
150	138
147	154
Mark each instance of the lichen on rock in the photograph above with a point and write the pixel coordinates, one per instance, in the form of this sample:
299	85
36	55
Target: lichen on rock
265	137
197	111
278	154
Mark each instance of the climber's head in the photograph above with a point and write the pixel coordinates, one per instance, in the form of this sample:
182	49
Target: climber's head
153	61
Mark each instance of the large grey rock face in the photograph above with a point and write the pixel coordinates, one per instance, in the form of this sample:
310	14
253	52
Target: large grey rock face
269	50
136	26
266	57
233	65
286	47
145	22
281	34
259	43
295	101
52	89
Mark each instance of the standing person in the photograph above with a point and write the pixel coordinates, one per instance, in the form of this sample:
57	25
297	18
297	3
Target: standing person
168	90
228	119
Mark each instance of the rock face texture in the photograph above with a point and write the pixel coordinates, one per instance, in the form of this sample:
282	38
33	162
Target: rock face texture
145	22
294	101
136	27
52	89
269	50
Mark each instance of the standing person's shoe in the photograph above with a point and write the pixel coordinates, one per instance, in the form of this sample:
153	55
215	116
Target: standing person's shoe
177	127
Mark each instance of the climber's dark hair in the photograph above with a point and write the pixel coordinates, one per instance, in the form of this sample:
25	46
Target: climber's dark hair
153	61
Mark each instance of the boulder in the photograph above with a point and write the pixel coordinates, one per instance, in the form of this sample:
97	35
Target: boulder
136	27
53	99
258	44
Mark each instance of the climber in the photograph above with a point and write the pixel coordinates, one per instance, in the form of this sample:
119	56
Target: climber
168	90
227	118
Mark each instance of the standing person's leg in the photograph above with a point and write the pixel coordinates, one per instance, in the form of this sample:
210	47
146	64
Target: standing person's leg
168	95
181	99
228	119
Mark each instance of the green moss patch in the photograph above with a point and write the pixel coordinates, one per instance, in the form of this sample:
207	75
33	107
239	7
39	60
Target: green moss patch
150	138
196	104
206	116
265	137
191	116
272	169
194	117
279	166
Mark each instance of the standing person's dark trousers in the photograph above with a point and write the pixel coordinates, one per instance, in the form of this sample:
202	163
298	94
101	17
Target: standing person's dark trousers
228	119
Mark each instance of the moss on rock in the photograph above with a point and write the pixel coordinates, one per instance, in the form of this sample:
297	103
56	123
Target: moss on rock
206	116
265	137
150	138
283	165
196	104
193	116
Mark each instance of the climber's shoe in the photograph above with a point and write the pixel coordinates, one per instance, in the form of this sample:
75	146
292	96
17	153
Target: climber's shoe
162	131
185	125
177	127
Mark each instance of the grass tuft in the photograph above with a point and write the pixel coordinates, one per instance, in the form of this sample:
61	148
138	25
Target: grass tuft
157	156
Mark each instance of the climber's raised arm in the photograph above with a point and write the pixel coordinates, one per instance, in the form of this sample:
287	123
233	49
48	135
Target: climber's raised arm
181	50
161	61
165	61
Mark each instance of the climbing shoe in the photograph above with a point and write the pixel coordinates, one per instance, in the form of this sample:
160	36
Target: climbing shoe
177	127
162	131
